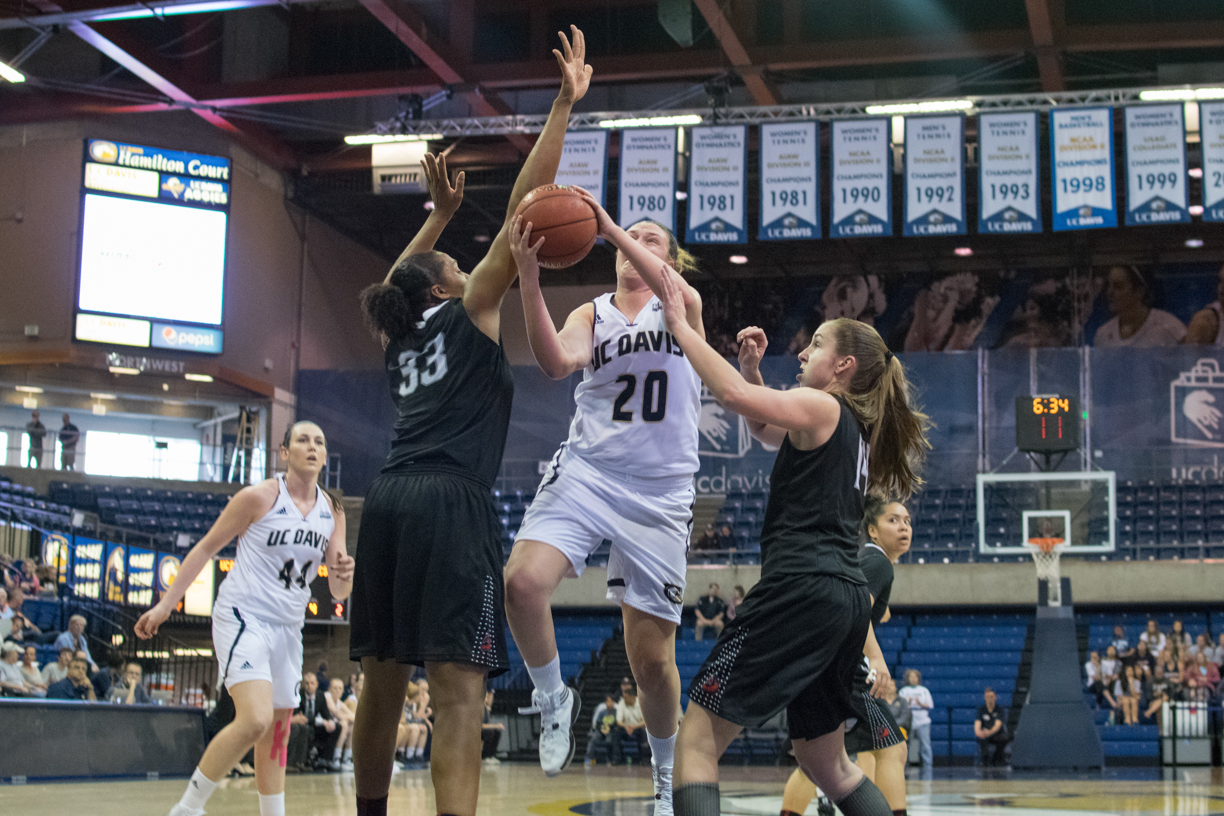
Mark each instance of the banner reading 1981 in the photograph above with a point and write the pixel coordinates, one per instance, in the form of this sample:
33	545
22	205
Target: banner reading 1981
790	181
716	211
584	162
934	176
648	176
862	205
1081	167
1156	191
1008	182
1211	126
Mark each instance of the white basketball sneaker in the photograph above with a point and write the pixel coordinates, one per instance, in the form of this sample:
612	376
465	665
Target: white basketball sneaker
663	790
557	716
179	810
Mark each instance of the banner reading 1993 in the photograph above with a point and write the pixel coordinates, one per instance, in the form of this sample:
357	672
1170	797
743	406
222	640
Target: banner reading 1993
1081	167
934	175
1156	191
648	176
584	162
790	181
862	205
716	211
1008	182
1211	126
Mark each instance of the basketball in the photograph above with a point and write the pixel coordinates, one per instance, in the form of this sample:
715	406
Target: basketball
559	213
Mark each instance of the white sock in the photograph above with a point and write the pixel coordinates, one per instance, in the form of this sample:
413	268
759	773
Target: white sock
198	790
416	752
348	754
273	805
335	756
663	751
547	678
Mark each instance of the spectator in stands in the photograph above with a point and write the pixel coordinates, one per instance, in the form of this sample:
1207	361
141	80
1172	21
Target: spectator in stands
29	670
36	431
1180	636
54	672
990	728
76	685
725	539
711	612
130	689
1156	692
1094	681
6	611
107	677
12	681
326	729
1206	672
1128	691
1216	655
708	540
629	718
1172	671
74	639
414	726
604	732
1143	660
1154	638
1205	327
27	580
324	679
737	598
69	435
47	579
919	698
490	732
1202	644
1121	643
1135	323
899	707
342	754
301	726
1111	669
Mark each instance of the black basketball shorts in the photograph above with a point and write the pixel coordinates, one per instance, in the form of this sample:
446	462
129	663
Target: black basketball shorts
795	643
876	728
428	581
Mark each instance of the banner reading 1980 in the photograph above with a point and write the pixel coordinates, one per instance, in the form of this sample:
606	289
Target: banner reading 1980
584	162
1211	126
862	205
934	176
716	207
648	176
1008	183
1081	167
1156	191
790	181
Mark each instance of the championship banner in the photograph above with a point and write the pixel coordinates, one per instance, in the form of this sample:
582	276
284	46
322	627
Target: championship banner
862	204
87	555
790	181
584	162
648	176
1081	168
1211	126
1008	181
1156	191
56	549
934	175
116	573
140	576
716	211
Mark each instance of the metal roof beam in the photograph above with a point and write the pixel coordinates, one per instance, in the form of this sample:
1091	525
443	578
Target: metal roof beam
1045	28
763	92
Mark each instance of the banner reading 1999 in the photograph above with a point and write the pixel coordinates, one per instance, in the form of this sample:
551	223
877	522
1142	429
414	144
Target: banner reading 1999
862	205
1008	184
1211	126
934	175
1156	191
648	176
1081	165
716	211
790	181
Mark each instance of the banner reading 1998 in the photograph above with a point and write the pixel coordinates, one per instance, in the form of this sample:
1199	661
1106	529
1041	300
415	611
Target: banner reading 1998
716	211
934	175
584	162
1008	183
648	176
1211	126
862	205
1156	190
1081	167
790	181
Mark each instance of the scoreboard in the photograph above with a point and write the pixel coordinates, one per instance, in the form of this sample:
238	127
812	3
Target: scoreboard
1047	423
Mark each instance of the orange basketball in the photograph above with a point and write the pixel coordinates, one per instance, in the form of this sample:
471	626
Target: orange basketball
558	213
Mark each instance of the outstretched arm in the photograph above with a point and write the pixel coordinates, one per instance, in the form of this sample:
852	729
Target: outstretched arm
446	199
558	354
491	278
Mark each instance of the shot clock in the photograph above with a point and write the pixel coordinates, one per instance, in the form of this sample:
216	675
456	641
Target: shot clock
1047	423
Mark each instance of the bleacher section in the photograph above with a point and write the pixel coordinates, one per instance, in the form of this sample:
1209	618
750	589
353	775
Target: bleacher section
580	637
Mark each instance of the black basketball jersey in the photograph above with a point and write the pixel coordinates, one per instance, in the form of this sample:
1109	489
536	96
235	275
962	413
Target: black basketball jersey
879	573
816	506
452	386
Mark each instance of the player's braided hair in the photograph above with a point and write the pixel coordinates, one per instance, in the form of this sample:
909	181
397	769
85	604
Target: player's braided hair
394	309
680	259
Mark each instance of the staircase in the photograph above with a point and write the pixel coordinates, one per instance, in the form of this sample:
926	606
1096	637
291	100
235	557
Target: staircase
705	511
595	680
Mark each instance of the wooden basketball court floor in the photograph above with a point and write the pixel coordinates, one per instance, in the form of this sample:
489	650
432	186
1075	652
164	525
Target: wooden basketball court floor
513	788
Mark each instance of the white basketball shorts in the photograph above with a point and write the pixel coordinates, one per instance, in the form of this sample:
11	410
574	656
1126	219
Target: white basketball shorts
648	521
249	648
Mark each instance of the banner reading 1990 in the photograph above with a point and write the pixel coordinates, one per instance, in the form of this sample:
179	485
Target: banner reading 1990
934	176
584	162
1081	167
1008	182
790	181
648	176
716	211
1156	191
862	205
1211	126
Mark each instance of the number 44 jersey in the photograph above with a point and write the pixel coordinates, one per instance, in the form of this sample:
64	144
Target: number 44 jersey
639	401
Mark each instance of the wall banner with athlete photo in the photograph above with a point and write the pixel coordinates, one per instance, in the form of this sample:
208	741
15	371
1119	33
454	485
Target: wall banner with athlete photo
1009	185
862	177
716	208
934	175
648	176
1081	168
1156	191
584	162
1211	127
790	181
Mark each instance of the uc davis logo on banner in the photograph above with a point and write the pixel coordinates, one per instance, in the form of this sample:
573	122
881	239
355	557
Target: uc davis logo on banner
55	553
722	433
1197	406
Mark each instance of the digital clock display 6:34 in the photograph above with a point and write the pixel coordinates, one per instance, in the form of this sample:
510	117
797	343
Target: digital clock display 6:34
1047	422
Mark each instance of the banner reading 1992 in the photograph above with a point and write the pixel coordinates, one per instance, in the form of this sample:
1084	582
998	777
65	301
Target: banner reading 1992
862	205
1156	191
1081	167
716	211
584	162
648	176
934	175
1008	183
1211	126
790	181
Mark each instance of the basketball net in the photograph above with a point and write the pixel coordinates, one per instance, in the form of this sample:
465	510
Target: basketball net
1045	552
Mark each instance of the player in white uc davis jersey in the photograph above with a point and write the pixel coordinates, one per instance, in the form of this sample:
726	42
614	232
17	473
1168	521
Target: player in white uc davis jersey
286	528
624	474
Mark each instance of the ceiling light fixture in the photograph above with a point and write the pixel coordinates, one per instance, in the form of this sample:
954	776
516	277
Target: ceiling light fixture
1181	94
99	409
198	377
1195	172
1194	243
384	138
29	389
681	195
100	396
123	370
963	252
1195	209
482	238
934	106
11	74
738	259
653	121
152	10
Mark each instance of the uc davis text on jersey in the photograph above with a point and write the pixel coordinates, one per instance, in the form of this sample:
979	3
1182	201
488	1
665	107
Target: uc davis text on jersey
652	341
302	537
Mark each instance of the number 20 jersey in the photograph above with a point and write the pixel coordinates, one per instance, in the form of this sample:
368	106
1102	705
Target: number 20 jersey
278	557
639	401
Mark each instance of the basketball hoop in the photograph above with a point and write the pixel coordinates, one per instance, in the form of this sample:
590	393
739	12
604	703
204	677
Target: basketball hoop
1046	552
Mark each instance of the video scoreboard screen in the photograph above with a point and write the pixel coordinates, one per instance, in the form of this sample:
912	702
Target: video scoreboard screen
151	268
